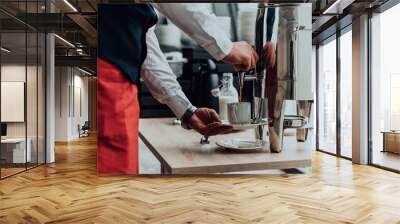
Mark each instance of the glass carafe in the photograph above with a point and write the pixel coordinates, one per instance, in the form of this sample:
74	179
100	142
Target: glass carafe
228	94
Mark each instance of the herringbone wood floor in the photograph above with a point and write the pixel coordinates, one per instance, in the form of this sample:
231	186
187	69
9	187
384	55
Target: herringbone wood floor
70	191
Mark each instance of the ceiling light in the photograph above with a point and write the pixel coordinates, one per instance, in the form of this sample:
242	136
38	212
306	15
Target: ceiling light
80	51
334	8
5	50
64	40
84	71
70	5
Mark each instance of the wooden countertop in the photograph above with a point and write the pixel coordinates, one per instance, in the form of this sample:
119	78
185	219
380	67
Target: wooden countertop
180	151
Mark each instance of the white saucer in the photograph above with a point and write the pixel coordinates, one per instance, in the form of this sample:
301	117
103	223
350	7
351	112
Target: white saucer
241	145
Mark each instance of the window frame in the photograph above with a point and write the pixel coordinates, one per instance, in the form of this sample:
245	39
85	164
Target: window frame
379	10
334	37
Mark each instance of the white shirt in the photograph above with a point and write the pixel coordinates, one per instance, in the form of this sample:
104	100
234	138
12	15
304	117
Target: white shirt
198	24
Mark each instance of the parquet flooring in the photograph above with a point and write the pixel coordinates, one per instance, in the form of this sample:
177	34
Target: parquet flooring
70	191
10	171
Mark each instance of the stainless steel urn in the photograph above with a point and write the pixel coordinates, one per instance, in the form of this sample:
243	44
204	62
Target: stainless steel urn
283	42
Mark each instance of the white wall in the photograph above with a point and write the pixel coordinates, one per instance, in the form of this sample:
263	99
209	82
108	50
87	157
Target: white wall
71	102
33	126
80	103
62	77
16	73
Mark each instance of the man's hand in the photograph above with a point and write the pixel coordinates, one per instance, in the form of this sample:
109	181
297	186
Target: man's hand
242	56
207	122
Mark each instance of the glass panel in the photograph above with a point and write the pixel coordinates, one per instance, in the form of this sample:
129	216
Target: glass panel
313	118
327	97
39	7
32	98
32	88
13	87
385	84
346	94
22	88
41	98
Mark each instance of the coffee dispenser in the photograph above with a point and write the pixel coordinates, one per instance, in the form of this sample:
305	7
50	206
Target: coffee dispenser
283	72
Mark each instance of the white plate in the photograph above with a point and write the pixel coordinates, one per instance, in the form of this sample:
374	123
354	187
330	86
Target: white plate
241	145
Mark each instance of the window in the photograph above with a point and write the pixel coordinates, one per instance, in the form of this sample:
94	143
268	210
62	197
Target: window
327	97
346	94
385	89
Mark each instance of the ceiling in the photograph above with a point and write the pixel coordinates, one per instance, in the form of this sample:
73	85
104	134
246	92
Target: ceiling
75	22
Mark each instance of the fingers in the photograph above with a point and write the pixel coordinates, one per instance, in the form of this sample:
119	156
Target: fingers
255	59
210	129
225	130
207	122
250	58
245	64
207	115
214	116
196	123
242	56
242	67
217	129
254	62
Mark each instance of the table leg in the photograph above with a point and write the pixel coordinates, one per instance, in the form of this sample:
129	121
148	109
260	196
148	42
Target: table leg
292	171
164	169
384	143
303	170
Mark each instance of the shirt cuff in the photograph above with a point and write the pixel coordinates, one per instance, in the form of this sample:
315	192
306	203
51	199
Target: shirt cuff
178	104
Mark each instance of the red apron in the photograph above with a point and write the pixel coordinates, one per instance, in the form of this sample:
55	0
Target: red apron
118	121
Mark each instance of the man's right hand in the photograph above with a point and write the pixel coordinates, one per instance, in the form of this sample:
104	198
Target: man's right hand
207	122
242	56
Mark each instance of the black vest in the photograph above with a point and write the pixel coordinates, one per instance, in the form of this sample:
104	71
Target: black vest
121	35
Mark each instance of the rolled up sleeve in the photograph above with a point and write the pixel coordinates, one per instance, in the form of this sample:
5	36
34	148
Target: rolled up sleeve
199	24
160	80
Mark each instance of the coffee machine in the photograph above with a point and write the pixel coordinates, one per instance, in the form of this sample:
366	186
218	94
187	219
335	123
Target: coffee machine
283	72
